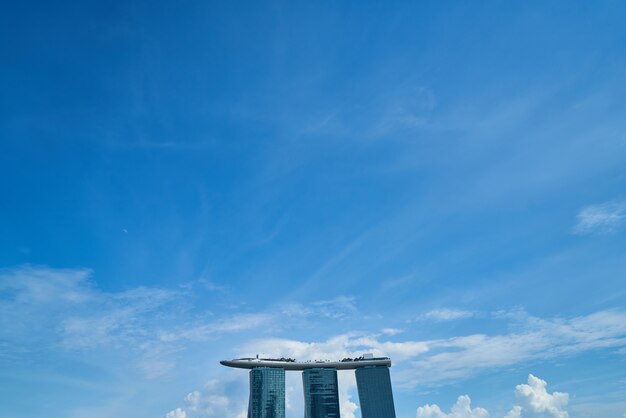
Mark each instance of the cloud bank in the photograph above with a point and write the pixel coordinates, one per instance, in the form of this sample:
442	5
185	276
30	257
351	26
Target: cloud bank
62	311
461	409
431	362
533	398
534	402
215	400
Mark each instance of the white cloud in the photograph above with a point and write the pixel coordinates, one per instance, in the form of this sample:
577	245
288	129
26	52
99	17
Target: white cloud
215	400
176	413
399	351
346	345
337	308
434	361
460	357
515	412
461	409
347	390
534	399
62	310
391	331
45	285
601	218
236	323
207	404
335	347
347	408
536	402
228	397
445	315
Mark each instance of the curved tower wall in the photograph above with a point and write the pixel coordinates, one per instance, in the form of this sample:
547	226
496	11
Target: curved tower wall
375	396
321	393
267	393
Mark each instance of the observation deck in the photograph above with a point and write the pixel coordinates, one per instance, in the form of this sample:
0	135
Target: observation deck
290	364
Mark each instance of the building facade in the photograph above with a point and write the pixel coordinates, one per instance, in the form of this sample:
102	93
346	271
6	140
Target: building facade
267	393
375	396
321	393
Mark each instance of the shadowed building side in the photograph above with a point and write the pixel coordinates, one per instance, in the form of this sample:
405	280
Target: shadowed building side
267	393
321	393
375	396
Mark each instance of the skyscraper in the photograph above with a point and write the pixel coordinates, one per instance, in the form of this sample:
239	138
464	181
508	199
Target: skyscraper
375	396
267	393
319	378
321	396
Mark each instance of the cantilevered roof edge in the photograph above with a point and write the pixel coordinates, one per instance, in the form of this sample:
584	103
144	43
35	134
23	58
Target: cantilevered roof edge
294	365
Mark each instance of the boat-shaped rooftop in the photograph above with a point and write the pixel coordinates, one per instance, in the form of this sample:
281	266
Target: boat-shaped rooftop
291	364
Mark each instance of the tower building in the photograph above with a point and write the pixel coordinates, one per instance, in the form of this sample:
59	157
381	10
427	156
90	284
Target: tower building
375	396
319	378
321	394
267	393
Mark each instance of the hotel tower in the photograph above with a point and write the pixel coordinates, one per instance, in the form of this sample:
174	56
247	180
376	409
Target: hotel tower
321	390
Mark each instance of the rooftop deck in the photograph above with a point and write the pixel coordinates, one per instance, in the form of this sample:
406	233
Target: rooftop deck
289	364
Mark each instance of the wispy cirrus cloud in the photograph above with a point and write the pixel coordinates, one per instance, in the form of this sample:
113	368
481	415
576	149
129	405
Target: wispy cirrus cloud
406	108
337	308
434	360
534	338
444	314
391	331
62	310
431	362
601	218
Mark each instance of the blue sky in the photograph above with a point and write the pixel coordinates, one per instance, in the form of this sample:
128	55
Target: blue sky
440	182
